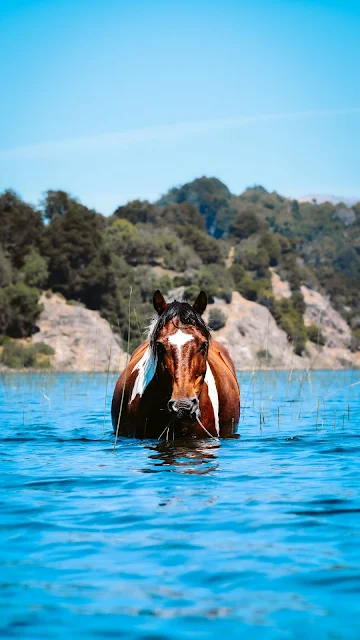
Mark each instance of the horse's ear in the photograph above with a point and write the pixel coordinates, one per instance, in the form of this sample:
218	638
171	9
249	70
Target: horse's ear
200	303
159	302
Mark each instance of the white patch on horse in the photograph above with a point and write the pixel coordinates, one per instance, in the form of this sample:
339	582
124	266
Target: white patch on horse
151	327
213	394
180	338
146	368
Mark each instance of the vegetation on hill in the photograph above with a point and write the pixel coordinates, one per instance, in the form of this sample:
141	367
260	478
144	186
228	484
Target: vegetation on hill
185	239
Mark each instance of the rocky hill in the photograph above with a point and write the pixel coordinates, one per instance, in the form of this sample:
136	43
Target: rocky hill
83	341
271	263
81	338
255	341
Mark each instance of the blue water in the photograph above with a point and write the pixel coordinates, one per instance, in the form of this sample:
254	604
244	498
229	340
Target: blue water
256	537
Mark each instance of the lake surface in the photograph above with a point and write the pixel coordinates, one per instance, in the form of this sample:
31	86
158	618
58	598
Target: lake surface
256	537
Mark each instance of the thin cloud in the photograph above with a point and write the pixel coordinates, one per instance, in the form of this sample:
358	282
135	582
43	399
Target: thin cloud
163	133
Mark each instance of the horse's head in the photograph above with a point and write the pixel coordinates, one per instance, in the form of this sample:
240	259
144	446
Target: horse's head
180	339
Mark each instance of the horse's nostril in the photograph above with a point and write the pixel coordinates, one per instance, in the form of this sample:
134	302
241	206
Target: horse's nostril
183	407
172	406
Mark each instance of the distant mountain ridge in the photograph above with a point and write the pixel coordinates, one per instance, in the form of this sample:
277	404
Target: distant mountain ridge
321	198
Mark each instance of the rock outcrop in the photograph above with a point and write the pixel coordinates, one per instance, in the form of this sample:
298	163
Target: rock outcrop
255	340
281	288
319	311
82	339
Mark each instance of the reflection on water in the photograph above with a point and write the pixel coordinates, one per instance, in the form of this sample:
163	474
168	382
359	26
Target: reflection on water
190	457
256	537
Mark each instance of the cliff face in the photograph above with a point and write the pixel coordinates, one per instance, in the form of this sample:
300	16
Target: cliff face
82	339
255	341
319	311
252	336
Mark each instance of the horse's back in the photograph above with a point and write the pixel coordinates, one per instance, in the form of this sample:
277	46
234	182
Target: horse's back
221	351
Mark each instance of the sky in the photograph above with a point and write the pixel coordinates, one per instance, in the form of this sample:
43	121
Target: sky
113	100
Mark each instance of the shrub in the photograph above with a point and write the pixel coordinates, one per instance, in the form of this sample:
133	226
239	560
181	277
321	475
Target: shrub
165	283
17	356
314	334
191	292
263	354
247	287
43	349
298	302
355	340
291	321
217	319
237	271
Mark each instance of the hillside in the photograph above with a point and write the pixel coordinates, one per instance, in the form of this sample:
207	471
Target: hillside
199	235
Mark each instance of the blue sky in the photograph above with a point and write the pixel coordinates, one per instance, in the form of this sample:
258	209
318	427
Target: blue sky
115	100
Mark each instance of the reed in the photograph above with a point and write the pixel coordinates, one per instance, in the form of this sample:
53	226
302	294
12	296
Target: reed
317	414
127	362
106	387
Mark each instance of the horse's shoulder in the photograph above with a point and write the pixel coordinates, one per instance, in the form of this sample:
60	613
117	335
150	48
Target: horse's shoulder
219	351
139	351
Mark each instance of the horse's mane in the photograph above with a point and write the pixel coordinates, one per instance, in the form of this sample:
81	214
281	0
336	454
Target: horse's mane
185	313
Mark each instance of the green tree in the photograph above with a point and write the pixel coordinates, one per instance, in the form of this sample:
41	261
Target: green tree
207	248
291	321
136	244
56	203
138	211
21	227
35	271
79	262
295	209
182	214
6	272
270	243
20	310
245	225
211	197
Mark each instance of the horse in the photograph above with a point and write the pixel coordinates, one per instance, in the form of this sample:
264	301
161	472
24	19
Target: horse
180	382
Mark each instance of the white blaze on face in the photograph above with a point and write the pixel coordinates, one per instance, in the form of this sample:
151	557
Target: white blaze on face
213	394
180	338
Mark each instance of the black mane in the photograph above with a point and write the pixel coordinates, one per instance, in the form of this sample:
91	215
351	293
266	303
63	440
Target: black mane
185	313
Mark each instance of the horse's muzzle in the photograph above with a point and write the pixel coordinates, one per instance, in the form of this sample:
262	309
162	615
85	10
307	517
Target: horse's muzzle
184	409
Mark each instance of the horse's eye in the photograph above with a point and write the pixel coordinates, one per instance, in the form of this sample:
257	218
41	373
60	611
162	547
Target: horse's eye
160	347
204	347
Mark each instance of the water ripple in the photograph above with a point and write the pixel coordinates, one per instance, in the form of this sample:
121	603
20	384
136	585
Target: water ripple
254	537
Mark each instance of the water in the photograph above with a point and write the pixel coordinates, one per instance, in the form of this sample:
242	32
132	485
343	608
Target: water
257	537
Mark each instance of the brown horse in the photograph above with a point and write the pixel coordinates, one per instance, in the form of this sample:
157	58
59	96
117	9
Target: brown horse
179	382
